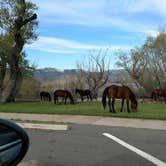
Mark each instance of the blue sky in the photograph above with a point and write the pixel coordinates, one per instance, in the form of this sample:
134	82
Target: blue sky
69	29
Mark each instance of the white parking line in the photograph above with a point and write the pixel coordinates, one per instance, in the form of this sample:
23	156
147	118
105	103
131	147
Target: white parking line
136	150
43	126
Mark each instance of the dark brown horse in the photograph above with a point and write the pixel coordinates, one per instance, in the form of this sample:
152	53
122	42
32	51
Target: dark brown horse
83	93
45	96
157	93
121	92
64	94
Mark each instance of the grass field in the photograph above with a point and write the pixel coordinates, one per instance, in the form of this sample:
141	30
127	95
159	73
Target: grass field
145	110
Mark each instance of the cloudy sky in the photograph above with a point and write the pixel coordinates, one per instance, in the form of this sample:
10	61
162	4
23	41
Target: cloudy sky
69	29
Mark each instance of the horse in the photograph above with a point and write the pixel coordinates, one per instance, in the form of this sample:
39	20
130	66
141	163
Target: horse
157	93
83	93
122	92
64	94
45	96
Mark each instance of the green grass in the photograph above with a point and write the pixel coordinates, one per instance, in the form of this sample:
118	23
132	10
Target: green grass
145	110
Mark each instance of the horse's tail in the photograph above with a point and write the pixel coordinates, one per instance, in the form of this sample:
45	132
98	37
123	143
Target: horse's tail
104	101
152	95
41	96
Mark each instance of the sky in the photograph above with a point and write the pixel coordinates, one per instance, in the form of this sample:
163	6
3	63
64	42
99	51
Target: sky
69	29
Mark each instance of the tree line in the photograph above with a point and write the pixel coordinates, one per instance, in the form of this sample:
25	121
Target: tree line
147	64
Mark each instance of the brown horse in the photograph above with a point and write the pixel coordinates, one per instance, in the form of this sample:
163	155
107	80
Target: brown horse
122	92
157	93
64	94
83	93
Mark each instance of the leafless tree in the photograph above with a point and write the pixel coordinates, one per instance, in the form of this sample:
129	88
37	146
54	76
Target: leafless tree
94	70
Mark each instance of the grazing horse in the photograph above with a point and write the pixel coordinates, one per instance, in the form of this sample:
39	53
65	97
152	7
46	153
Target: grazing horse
45	96
83	93
157	93
122	92
64	94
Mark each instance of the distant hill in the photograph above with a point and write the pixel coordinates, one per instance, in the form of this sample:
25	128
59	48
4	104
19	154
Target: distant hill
53	74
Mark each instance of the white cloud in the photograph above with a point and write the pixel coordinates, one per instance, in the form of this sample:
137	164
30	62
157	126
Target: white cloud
155	6
59	45
98	13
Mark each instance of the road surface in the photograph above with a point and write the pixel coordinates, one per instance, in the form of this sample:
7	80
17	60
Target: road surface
85	145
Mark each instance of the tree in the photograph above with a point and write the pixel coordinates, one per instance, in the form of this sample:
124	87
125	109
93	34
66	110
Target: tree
156	56
17	20
147	64
134	63
4	51
94	71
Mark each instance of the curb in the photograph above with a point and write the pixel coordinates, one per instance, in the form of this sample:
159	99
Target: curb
44	126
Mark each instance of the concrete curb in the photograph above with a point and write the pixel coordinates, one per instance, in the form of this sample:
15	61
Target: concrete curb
42	126
92	120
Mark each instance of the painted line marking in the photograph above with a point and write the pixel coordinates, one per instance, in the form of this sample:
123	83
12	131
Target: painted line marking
136	150
43	126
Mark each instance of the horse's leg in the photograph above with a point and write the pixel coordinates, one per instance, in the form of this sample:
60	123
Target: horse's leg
127	102
109	104
82	99
57	100
113	103
87	98
65	99
121	110
41	97
90	97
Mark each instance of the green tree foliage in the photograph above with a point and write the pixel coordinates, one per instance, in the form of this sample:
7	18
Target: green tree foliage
17	25
147	64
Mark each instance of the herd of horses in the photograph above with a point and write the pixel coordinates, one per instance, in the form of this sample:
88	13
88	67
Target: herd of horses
65	94
111	92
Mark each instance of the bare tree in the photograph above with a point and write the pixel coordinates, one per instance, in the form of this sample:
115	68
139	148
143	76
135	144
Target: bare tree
94	71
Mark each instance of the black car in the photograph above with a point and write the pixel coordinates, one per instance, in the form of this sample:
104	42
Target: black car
14	143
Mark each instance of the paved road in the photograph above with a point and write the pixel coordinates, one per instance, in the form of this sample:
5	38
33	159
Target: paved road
85	145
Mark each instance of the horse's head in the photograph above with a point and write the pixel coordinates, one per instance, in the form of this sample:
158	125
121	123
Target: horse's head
134	105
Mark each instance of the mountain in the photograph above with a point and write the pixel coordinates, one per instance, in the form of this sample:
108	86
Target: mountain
45	74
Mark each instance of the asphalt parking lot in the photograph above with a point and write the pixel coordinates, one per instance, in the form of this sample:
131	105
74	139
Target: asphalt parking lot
87	145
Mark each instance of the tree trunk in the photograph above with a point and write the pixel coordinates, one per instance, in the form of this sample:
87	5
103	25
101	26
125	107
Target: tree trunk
11	89
15	80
